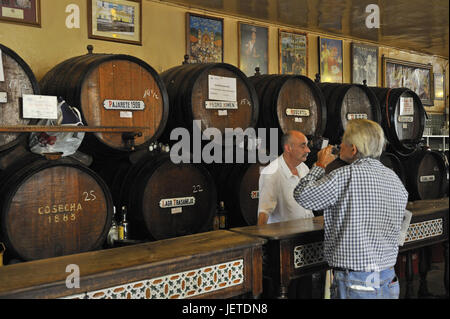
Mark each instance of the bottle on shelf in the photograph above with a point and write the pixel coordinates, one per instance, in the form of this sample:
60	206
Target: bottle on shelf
113	234
223	222
123	227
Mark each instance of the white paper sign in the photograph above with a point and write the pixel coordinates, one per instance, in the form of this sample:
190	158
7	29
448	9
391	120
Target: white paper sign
2	75
221	88
3	97
40	107
406	106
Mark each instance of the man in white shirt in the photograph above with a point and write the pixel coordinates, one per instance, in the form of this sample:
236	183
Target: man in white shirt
278	180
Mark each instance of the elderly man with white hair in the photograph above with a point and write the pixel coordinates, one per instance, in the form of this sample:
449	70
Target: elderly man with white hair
364	204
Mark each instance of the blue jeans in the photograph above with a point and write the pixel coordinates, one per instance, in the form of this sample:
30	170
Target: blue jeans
365	285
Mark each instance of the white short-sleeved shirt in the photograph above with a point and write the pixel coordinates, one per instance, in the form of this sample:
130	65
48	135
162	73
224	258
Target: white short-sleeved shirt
276	187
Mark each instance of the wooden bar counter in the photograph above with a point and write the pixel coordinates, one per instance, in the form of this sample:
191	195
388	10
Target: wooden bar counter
216	264
295	248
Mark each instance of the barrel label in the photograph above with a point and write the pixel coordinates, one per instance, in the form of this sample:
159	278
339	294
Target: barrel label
177	202
176	210
354	116
3	97
406	105
254	194
222	88
124	105
297	112
59	208
405	119
428	178
221	105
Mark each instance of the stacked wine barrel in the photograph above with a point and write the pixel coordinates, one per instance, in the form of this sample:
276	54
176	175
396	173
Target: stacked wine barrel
48	207
403	121
18	80
194	96
112	90
290	102
346	102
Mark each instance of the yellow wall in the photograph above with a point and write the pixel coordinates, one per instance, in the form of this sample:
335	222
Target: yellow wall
164	41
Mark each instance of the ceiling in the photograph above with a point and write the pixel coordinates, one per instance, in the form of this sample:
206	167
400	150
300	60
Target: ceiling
417	25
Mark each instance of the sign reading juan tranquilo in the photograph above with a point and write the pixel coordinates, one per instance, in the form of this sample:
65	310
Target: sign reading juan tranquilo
177	202
124	105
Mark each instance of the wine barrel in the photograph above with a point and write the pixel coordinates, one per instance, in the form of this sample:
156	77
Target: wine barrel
18	80
218	95
426	175
111	90
392	161
51	208
238	188
163	199
344	103
403	131
290	102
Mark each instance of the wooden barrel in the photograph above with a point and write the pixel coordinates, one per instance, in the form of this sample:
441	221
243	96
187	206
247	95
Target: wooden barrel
426	175
402	118
111	90
163	199
290	102
18	80
51	208
238	188
346	102
392	161
219	95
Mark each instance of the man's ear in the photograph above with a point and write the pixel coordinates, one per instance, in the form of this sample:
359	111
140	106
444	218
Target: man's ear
354	150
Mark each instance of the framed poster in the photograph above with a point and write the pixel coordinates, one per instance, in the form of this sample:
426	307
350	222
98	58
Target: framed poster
115	20
27	12
293	53
414	76
253	48
204	38
330	62
364	64
439	86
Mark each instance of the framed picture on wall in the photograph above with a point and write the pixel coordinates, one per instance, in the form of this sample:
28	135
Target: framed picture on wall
414	76
204	38
330	61
253	48
27	12
364	64
293	53
439	86
115	20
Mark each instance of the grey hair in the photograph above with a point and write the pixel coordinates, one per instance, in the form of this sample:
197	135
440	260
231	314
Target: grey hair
367	136
285	139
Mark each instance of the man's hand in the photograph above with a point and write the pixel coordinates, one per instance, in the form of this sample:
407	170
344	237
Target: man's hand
325	156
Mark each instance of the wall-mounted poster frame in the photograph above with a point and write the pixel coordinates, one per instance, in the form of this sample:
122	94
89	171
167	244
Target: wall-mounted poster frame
330	60
204	38
124	26
364	64
414	76
439	86
292	52
26	12
253	48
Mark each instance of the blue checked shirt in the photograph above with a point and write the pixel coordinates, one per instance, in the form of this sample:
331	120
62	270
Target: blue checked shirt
363	204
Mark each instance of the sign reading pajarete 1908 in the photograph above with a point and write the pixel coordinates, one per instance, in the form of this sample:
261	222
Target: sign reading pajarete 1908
124	105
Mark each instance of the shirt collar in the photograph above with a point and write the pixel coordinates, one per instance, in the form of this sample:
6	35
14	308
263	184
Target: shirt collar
285	169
